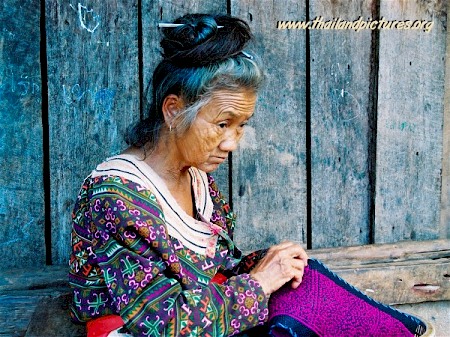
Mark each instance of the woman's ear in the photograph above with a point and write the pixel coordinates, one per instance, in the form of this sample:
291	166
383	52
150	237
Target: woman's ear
171	106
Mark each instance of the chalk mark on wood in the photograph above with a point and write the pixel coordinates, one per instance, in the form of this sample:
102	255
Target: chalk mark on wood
22	234
23	85
103	97
84	15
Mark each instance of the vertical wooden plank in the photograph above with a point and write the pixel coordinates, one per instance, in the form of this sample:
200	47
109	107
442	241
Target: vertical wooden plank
269	167
340	119
154	12
445	193
21	174
93	96
410	117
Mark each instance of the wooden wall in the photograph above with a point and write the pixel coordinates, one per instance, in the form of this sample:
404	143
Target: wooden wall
269	182
409	127
22	194
346	147
342	114
93	95
445	193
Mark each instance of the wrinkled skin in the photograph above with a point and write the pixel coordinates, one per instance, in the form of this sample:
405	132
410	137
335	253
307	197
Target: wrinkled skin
216	131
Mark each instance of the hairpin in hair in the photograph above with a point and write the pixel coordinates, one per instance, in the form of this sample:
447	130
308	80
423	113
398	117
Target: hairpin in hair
173	25
247	55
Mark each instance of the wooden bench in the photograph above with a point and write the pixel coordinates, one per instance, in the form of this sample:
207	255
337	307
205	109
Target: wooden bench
35	302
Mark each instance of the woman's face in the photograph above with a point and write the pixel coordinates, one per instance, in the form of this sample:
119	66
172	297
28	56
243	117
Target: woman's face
217	129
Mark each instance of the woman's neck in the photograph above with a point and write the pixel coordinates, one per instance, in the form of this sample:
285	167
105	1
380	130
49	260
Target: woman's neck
175	176
163	160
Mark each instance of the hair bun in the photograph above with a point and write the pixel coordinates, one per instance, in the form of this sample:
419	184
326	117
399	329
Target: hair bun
199	41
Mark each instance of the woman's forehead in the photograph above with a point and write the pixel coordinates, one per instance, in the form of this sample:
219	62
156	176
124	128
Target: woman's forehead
243	97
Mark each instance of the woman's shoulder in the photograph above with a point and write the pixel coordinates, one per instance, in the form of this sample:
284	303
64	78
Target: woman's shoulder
112	195
124	165
117	176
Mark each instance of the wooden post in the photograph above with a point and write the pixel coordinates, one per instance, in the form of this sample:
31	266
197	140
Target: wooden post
341	119
269	167
445	194
410	117
21	136
93	96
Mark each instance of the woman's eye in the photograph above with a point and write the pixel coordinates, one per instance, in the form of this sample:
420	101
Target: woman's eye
242	125
223	125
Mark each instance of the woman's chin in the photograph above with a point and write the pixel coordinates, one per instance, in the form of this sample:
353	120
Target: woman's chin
208	167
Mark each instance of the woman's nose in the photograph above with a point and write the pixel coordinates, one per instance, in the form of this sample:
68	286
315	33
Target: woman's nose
229	143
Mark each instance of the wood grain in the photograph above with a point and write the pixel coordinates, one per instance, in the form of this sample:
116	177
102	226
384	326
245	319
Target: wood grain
93	96
52	318
378	254
410	117
21	136
269	177
16	314
27	295
340	126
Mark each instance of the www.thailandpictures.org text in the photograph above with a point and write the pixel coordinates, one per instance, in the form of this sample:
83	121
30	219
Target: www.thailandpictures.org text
357	25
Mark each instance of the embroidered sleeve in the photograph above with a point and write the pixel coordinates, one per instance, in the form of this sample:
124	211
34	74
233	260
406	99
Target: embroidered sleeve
247	263
148	286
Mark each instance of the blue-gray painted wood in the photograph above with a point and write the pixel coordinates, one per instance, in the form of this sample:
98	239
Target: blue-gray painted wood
93	96
445	193
21	132
340	127
410	118
269	167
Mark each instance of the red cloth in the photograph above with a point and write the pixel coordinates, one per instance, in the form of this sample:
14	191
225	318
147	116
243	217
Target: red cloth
102	326
219	278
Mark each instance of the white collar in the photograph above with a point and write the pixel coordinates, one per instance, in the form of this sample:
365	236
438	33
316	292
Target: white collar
193	234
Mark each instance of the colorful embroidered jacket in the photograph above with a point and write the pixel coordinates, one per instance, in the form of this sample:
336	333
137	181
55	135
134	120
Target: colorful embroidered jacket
125	262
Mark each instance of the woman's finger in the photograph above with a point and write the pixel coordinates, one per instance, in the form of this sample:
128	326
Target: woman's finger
296	283
295	250
299	268
298	264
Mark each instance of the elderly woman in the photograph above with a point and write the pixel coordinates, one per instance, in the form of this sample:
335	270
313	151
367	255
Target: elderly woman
152	234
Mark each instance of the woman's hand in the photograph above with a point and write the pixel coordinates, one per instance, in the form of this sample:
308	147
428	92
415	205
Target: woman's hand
282	263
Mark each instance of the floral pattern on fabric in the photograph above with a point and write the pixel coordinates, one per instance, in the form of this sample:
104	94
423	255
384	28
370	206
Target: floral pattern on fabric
123	262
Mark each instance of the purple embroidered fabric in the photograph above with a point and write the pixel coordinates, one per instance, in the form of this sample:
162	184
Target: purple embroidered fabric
325	305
